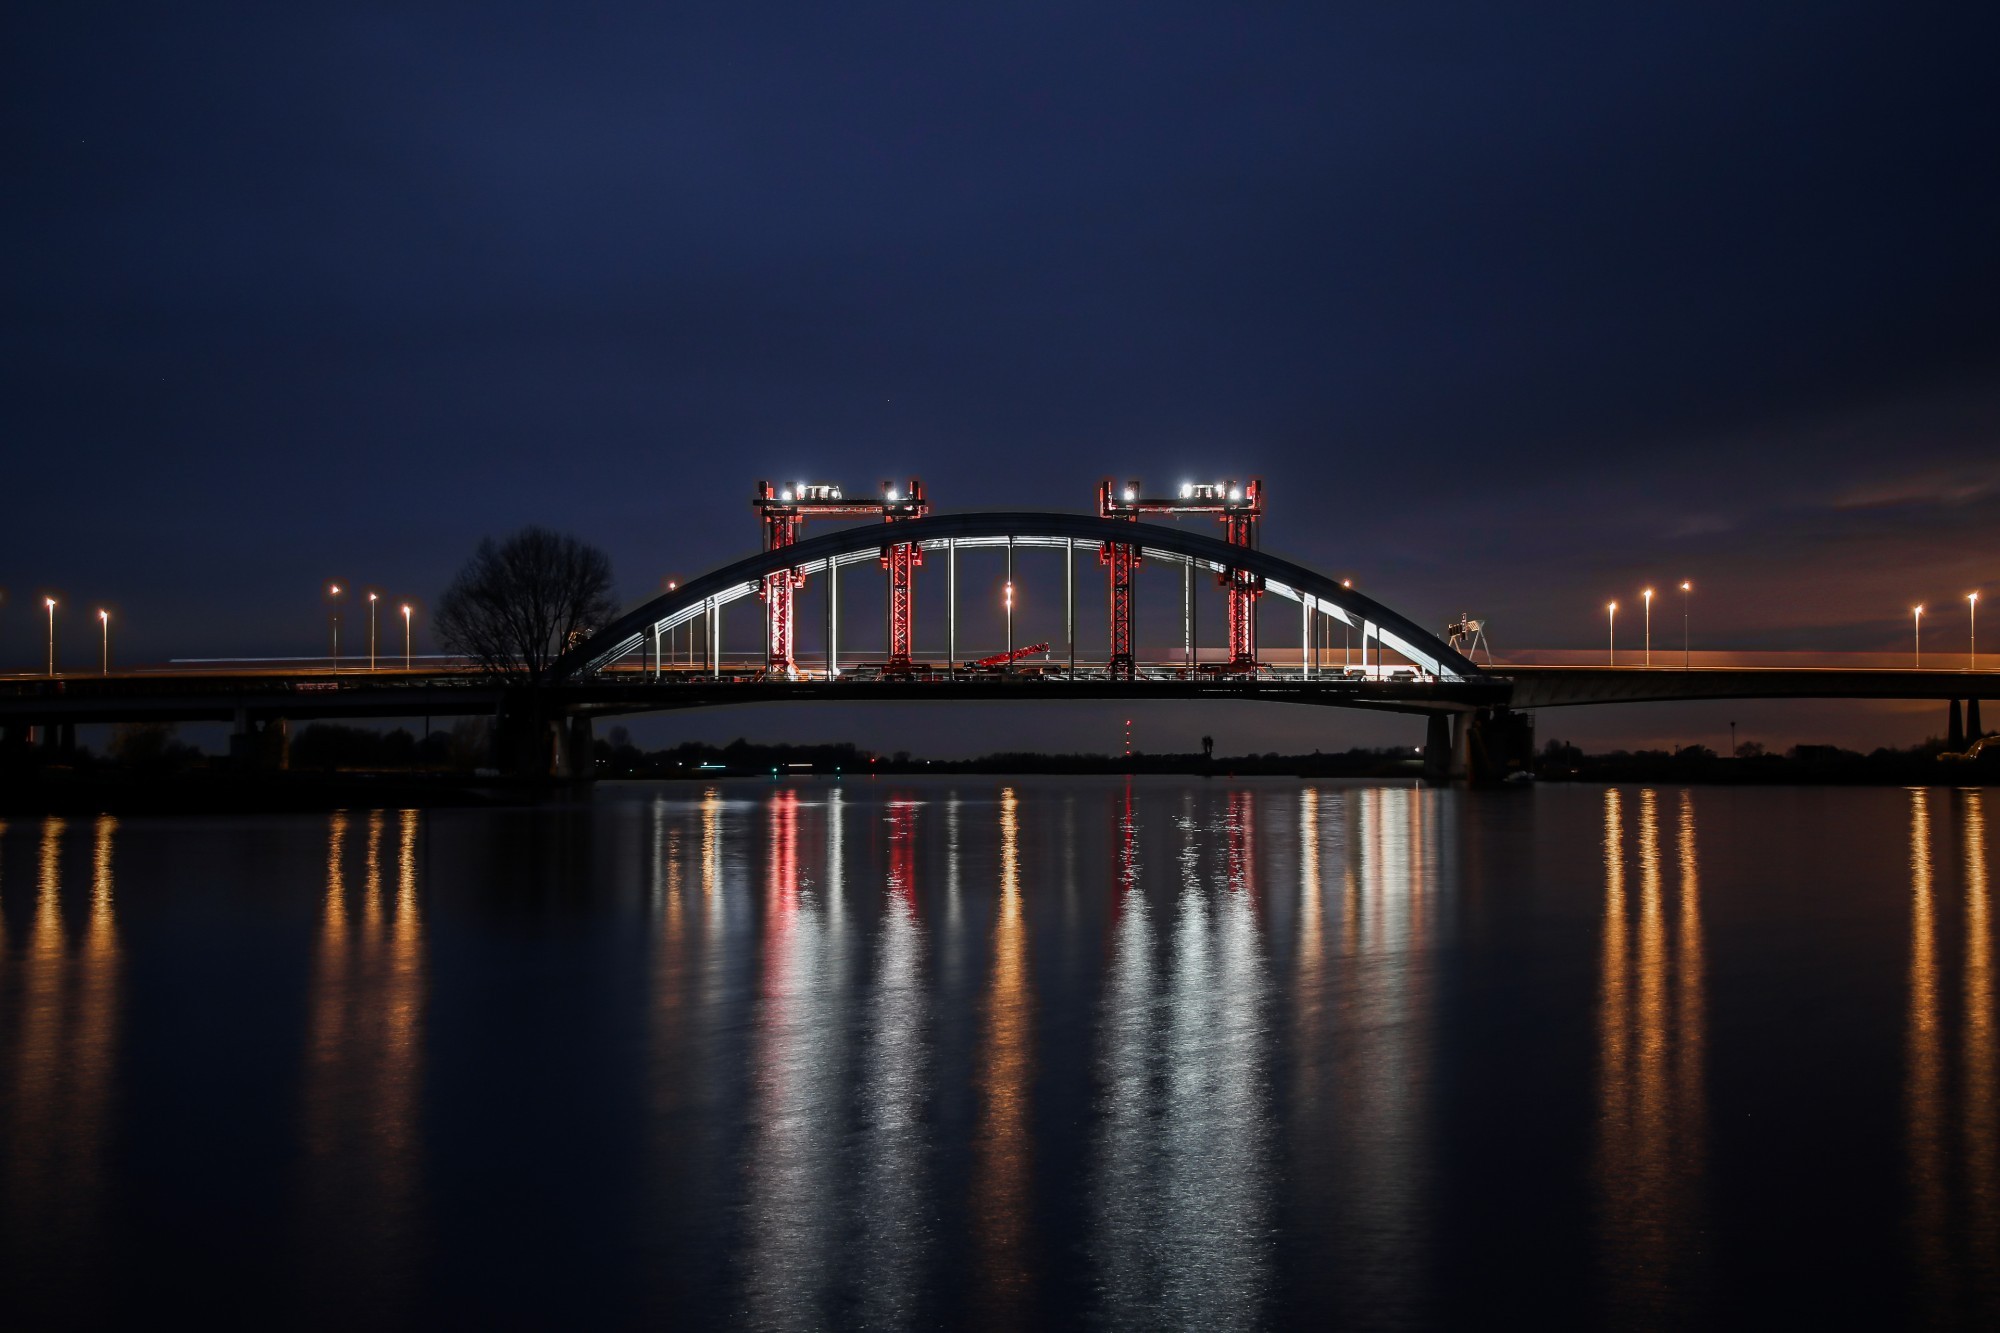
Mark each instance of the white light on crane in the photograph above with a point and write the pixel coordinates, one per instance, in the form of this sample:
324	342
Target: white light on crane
1130	495
1236	493
1187	490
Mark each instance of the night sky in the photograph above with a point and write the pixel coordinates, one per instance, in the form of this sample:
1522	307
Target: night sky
1515	309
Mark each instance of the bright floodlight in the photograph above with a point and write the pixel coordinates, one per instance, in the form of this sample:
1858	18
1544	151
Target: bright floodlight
1130	495
892	492
1187	489
1236	492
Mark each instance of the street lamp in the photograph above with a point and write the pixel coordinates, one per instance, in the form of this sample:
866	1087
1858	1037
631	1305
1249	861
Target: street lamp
1007	595
372	600
50	603
1346	635
1917	655
104	623
333	596
1648	595
406	636
1972	644
1611	647
1686	587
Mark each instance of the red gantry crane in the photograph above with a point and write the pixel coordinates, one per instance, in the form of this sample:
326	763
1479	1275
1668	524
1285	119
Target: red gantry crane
1239	508
784	510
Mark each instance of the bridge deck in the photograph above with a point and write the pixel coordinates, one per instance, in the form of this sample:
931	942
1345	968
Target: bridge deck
189	696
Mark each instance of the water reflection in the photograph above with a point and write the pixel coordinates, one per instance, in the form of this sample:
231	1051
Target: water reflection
895	1086
1652	1112
63	998
364	1061
1384	1021
1925	1088
1181	1190
797	1078
1001	1165
1982	1154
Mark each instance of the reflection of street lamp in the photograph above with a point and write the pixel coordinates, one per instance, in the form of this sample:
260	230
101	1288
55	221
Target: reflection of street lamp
1648	595
50	603
406	636
104	622
1611	649
1686	588
373	599
1918	655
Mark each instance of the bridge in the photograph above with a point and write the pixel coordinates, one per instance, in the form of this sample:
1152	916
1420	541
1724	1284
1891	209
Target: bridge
1386	661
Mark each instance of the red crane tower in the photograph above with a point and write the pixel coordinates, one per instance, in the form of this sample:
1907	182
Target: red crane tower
901	560
784	509
1239	508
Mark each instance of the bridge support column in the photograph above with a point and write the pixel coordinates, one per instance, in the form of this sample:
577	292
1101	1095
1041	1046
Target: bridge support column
1955	731
264	747
574	757
1973	731
1439	748
1487	745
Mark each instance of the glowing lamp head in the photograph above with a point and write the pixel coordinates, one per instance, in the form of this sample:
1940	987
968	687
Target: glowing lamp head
892	493
1648	594
104	615
1236	492
1612	607
406	610
1187	490
1130	495
49	602
1347	583
333	590
1972	597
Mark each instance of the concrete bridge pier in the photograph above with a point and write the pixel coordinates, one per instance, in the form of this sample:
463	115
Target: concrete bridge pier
1440	748
532	745
1954	738
575	742
1973	731
1479	747
264	746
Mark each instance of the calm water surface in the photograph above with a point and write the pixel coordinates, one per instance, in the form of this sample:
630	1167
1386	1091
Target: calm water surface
1009	1053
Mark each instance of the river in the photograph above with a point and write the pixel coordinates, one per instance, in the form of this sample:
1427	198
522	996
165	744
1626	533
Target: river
990	1052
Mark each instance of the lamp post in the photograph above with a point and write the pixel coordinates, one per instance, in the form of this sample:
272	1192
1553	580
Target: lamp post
1686	657
1007	595
373	599
1972	644
1346	635
1648	595
1611	646
406	636
333	597
104	623
1917	653
50	603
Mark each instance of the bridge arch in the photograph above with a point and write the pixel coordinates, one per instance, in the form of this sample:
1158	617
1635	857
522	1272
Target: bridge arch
1316	592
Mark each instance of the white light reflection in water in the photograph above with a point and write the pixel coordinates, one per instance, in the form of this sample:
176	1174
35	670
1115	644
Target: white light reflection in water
797	1090
895	1086
63	1000
1651	1034
1182	1207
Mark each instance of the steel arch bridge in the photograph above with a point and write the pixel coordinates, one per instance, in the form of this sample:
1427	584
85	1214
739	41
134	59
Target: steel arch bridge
637	634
